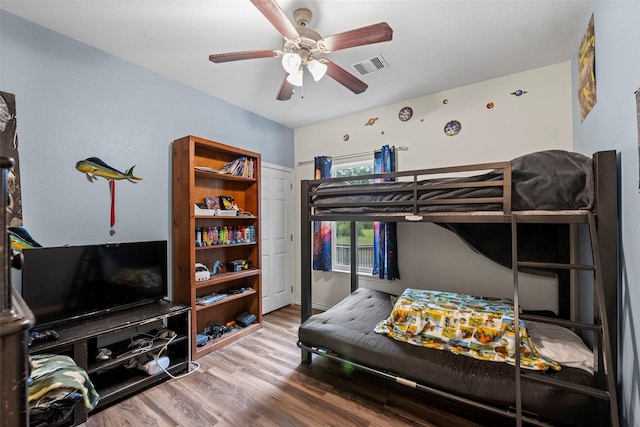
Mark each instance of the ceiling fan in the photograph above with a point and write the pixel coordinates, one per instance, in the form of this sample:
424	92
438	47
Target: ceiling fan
303	47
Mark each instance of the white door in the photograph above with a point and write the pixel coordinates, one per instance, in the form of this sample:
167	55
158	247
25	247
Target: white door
277	237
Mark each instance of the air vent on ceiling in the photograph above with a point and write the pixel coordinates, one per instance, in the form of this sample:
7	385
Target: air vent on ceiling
370	65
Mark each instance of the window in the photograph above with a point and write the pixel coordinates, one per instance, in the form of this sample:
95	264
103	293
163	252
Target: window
341	230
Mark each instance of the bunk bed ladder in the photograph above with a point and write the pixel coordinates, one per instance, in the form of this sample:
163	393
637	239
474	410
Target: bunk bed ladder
605	375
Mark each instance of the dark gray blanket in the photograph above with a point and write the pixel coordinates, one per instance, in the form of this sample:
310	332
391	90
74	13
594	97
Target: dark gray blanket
552	180
544	180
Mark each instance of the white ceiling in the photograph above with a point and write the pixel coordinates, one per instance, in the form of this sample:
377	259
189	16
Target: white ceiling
437	45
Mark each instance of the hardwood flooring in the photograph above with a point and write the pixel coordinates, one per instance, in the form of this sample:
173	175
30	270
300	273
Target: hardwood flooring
260	381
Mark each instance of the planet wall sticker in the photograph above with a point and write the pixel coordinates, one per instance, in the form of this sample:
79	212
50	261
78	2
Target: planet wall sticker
452	128
405	114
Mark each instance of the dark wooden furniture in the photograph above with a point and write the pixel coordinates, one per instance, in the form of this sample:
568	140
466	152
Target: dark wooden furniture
192	183
15	321
597	225
118	377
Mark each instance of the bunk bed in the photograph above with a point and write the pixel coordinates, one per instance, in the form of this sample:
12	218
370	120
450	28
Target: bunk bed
567	194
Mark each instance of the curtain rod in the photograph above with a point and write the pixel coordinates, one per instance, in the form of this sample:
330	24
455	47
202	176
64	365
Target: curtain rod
349	156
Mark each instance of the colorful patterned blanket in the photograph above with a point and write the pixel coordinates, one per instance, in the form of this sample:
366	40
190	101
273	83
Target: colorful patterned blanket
55	376
482	328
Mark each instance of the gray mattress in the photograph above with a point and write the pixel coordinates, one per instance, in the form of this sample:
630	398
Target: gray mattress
347	330
544	180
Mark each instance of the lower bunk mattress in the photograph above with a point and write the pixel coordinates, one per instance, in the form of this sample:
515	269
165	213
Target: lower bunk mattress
347	330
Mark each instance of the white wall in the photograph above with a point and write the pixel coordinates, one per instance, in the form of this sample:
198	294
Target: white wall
613	125
537	120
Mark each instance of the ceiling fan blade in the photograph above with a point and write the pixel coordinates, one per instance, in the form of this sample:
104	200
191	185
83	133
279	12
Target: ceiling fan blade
286	90
345	78
375	33
237	56
276	16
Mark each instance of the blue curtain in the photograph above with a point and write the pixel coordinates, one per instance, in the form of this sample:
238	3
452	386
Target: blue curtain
385	238
322	229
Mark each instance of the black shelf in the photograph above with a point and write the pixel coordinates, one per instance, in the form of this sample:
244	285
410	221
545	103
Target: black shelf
111	378
108	323
110	363
128	381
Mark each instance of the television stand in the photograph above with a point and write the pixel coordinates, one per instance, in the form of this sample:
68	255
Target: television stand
116	378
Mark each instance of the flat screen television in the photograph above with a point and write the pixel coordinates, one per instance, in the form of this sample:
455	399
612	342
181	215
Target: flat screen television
70	283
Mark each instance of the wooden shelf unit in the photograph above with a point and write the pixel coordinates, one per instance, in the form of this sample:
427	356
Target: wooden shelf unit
191	186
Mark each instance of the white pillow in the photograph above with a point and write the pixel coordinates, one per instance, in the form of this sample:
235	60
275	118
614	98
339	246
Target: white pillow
561	345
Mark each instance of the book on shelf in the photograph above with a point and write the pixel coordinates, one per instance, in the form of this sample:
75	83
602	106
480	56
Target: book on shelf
206	169
210	299
243	166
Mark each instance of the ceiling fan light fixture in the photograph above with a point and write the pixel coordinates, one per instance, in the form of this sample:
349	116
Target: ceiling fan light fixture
291	62
295	78
317	69
303	47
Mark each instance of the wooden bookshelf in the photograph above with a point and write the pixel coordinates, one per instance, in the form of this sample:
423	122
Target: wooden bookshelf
192	185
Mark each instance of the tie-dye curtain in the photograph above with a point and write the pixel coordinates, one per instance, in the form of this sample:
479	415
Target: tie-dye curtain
385	239
322	229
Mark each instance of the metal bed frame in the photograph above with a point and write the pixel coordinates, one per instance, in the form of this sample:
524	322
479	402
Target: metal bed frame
602	230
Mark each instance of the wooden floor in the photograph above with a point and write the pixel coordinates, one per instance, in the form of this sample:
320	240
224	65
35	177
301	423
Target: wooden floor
259	381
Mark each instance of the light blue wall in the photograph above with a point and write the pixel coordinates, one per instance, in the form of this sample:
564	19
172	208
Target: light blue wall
612	125
74	102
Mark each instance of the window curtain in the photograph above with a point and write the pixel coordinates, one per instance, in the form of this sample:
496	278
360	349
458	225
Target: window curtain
385	238
322	229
